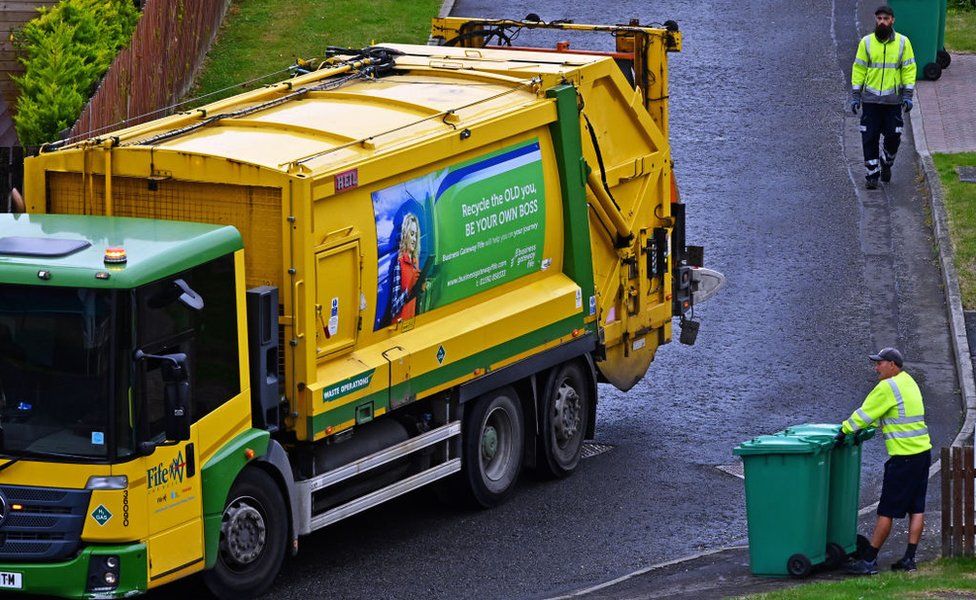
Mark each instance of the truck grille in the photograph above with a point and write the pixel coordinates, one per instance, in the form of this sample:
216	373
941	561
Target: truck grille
47	528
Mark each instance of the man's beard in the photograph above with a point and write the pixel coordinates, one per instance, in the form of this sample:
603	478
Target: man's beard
882	32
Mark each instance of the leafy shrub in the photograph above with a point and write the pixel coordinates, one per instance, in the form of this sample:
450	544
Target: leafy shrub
65	52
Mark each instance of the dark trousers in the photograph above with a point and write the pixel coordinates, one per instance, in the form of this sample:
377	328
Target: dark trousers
878	120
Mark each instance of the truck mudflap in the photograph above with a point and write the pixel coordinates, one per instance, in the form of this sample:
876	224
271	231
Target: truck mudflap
97	572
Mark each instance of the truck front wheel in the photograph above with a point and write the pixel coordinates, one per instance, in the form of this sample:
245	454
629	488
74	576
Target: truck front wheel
565	410
253	535
494	442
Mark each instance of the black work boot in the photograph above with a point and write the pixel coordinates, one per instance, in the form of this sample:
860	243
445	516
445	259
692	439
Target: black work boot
862	567
885	171
871	183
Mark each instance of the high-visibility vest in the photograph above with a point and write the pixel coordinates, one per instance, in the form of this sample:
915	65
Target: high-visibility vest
884	71
896	403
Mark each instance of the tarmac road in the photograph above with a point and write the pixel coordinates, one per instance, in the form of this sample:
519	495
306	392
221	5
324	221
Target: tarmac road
820	273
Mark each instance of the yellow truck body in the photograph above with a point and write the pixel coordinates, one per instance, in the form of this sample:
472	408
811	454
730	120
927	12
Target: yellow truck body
461	237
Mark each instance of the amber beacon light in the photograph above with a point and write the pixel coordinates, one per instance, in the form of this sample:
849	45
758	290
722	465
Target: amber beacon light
114	256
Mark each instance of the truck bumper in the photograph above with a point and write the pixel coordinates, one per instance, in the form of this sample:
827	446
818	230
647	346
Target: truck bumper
70	579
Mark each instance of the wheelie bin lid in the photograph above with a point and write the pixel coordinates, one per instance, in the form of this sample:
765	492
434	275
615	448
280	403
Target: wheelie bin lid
781	444
824	430
829	430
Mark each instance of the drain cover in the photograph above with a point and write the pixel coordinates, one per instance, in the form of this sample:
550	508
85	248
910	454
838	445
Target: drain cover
967	174
591	449
735	470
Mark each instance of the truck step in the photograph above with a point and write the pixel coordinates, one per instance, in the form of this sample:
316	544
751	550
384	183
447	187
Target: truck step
307	488
382	495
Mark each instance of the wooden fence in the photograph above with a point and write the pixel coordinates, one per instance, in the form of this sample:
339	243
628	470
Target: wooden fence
958	476
169	45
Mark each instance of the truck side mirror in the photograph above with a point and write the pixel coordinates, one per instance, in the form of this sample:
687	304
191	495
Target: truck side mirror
188	295
180	291
176	393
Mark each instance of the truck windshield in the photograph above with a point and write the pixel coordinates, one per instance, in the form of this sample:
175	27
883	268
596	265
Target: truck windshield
56	349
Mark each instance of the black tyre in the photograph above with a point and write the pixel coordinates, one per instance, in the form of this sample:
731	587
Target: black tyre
253	537
932	71
798	565
565	410
835	556
943	59
493	446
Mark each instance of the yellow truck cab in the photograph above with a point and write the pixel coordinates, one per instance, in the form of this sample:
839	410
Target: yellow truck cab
227	328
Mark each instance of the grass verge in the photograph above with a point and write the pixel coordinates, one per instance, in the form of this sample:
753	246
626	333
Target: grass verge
960	35
960	202
260	37
946	578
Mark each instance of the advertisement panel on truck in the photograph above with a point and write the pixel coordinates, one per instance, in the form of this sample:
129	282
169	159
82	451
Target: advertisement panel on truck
458	231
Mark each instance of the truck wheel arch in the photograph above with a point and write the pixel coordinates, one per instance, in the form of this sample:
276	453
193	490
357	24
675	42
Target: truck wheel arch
276	464
223	469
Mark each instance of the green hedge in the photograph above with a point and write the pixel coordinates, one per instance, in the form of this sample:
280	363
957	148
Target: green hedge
65	52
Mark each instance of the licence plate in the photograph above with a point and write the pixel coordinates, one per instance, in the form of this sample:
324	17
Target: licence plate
11	581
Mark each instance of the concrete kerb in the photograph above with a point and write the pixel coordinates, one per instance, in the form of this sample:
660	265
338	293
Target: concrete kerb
446	7
950	281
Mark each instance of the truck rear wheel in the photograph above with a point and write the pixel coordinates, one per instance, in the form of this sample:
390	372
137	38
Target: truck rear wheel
253	536
494	442
565	411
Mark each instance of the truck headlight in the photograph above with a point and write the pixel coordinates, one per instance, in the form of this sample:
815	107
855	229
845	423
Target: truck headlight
103	573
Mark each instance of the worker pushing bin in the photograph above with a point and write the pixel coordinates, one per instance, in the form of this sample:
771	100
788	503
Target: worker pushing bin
843	497
787	479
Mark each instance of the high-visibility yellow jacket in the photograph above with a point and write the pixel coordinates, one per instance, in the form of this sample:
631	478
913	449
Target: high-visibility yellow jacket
897	403
884	72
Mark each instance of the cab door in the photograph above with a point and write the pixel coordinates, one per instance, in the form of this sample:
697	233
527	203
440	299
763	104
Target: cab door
192	313
174	509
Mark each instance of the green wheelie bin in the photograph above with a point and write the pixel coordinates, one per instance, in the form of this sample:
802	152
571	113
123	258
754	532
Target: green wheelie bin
920	20
843	497
786	480
942	58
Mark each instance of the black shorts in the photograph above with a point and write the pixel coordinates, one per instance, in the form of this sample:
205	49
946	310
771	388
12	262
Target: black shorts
906	479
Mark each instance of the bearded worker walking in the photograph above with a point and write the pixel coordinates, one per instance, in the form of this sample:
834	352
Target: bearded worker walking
897	403
882	84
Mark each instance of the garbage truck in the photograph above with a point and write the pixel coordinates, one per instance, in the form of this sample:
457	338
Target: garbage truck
227	328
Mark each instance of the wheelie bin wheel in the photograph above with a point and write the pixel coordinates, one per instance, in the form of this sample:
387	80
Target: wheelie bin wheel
798	565
862	545
835	556
943	59
932	71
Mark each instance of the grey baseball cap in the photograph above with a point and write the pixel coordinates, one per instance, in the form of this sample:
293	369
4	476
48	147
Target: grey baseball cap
891	354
